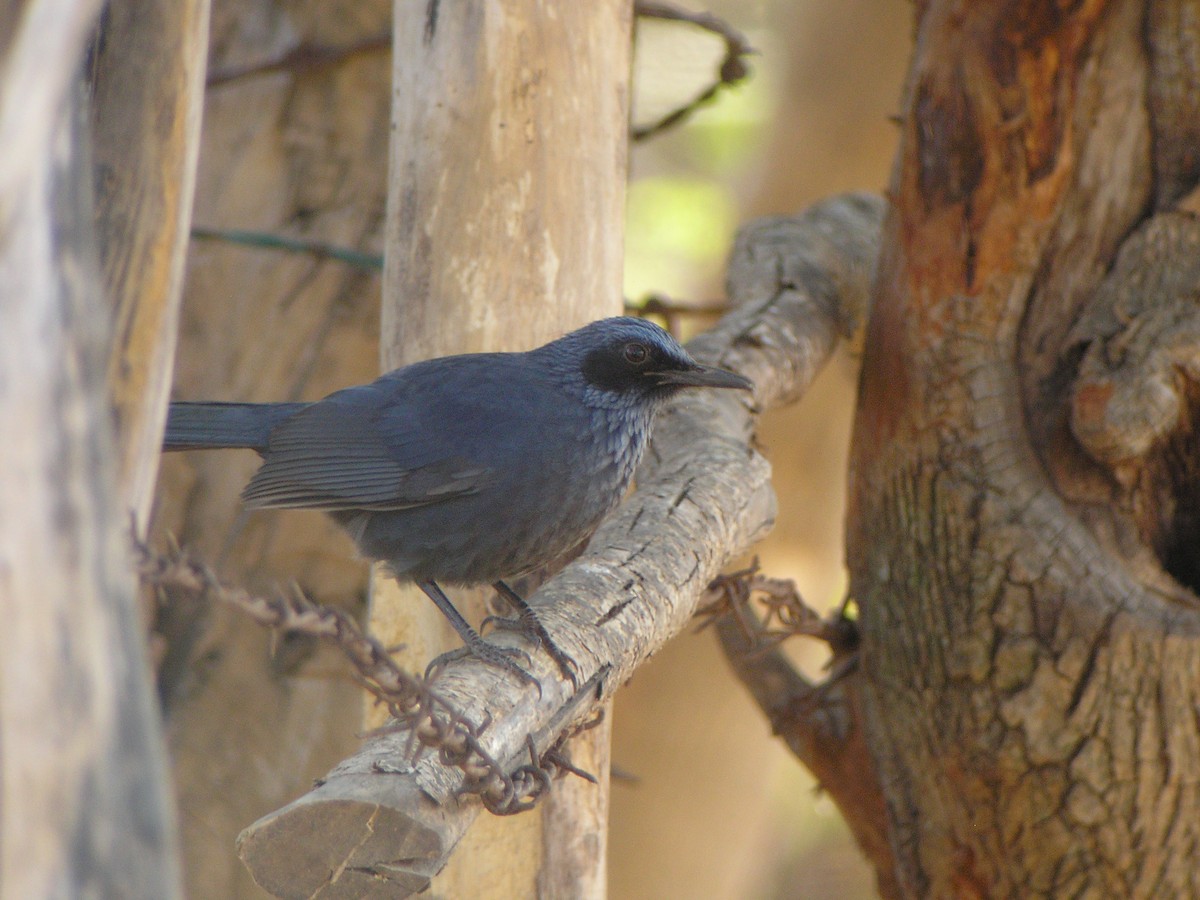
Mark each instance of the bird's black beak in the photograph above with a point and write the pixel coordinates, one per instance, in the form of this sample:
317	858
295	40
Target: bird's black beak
705	376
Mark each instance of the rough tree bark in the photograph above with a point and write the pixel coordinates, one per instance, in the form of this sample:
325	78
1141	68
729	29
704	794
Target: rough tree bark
1022	535
1028	644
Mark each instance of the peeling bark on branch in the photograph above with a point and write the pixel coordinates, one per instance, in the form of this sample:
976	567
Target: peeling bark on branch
821	724
703	495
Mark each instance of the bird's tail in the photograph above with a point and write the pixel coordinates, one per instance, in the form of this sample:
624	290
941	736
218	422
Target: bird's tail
201	426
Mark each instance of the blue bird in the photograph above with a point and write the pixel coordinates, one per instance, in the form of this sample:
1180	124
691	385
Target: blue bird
468	469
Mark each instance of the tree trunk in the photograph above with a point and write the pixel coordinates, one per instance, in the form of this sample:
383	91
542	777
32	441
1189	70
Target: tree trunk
504	231
1023	524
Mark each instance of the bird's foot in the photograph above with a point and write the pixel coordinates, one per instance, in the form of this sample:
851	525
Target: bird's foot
528	624
501	657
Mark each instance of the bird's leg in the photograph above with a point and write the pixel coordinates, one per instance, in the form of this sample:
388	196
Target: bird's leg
528	622
501	657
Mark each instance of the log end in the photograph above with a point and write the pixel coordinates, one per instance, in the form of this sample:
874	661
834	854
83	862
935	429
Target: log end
340	846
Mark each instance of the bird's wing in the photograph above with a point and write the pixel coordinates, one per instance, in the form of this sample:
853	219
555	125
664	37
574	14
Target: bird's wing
335	455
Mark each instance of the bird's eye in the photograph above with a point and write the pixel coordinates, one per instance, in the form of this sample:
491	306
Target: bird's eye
636	353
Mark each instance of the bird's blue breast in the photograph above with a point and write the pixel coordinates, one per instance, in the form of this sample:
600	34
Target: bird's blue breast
557	464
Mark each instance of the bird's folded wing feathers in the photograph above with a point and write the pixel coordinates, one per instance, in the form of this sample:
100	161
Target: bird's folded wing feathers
331	456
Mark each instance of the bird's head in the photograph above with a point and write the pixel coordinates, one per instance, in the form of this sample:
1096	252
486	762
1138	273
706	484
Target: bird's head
634	359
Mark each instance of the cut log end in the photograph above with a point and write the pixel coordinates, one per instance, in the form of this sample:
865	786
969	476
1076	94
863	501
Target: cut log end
343	847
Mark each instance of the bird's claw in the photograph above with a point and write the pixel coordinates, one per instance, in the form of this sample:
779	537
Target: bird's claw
501	657
531	627
503	623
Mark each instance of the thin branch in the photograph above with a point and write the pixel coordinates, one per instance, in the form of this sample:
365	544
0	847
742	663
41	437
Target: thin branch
821	723
672	312
303	58
733	68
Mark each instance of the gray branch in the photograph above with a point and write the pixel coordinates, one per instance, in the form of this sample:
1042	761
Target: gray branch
381	825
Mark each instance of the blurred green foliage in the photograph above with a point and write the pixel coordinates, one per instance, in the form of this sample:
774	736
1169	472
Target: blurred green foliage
677	234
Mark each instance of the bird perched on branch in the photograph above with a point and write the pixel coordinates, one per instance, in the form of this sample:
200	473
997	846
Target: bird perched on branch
466	469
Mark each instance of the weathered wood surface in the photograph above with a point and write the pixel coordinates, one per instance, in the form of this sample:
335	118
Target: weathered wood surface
505	230
148	95
84	804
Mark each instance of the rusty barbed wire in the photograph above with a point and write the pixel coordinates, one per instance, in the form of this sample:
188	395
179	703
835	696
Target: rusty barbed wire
785	612
431	721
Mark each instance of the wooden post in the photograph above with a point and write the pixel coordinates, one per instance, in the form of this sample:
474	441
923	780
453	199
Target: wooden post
505	230
84	808
149	94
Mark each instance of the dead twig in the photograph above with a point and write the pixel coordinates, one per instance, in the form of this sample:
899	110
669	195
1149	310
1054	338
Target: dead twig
302	58
732	70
